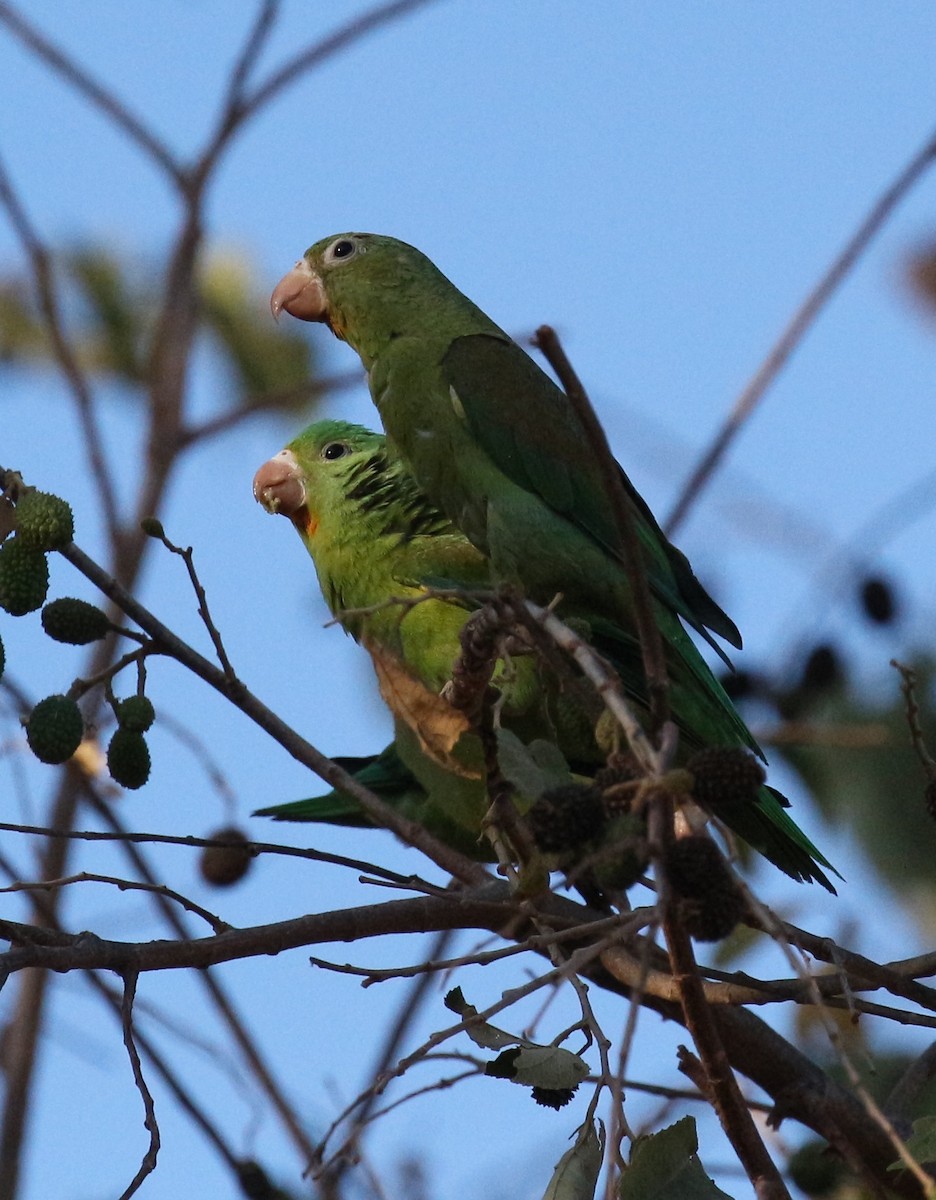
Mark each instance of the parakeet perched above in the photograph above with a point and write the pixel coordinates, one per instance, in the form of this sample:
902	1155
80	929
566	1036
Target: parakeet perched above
375	538
489	437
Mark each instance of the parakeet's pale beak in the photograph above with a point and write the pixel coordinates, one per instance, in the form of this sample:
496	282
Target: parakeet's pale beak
278	485
301	294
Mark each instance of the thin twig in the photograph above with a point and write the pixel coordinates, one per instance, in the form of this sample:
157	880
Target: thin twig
314	55
798	327
605	682
408	1012
125	885
187	554
908	687
148	1165
221	1000
260	31
313	389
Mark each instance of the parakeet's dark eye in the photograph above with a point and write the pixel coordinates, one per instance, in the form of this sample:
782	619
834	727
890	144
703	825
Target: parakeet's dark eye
341	250
335	450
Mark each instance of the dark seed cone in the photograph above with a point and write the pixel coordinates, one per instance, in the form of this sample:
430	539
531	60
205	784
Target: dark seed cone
711	919
739	685
725	775
74	622
472	670
55	729
553	1097
565	817
24	578
135	714
708	901
695	867
2	658
822	669
222	866
44	521
620	769
128	759
877	600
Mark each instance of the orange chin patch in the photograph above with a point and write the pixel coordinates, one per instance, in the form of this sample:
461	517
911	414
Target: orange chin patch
335	326
305	521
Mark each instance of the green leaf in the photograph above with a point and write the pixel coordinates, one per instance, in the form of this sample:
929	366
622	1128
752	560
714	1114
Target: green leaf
666	1166
576	1174
531	769
921	1143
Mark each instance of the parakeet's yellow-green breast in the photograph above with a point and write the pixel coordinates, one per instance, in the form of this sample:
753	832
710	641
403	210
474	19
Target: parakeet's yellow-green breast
376	539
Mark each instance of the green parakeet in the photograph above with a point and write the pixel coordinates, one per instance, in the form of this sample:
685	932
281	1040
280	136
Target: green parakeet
374	536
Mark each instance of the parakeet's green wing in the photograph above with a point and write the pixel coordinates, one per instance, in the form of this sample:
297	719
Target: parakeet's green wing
498	386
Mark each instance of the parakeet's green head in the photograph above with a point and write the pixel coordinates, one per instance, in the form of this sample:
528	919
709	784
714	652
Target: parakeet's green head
336	483
370	289
310	479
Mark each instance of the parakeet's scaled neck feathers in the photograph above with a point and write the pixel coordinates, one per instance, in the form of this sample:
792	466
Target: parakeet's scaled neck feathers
370	529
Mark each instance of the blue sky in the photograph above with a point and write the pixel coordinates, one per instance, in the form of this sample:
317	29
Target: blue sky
663	182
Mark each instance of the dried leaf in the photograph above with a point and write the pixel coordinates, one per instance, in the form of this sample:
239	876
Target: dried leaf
437	725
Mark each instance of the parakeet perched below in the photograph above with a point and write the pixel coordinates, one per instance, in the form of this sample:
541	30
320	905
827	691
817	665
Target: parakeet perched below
375	537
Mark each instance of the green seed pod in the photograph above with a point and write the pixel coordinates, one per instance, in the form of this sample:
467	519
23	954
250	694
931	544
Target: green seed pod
135	714
152	527
622	856
74	621
223	865
24	577
44	521
55	729
128	759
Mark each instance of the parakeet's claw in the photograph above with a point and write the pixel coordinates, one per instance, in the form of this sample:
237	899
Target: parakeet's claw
301	294
278	485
